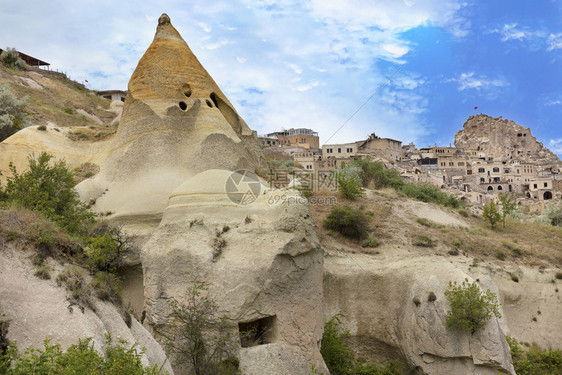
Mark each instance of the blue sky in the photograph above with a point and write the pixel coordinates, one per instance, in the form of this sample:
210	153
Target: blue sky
288	63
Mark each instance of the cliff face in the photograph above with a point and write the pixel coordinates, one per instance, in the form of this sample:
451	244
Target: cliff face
503	140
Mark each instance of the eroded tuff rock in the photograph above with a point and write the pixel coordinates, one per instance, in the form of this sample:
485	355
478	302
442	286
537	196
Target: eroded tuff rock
175	123
265	271
384	322
503	140
39	309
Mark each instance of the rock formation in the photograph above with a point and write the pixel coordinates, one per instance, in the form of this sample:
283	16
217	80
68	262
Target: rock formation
384	323
39	309
176	122
268	271
503	140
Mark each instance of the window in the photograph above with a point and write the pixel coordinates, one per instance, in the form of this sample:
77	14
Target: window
546	184
482	180
461	163
496	170
339	150
535	186
451	164
481	170
500	187
349	150
496	179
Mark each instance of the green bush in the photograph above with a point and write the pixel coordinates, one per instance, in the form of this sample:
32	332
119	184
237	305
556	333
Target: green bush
430	194
105	252
11	59
337	355
508	206
423	221
79	358
349	222
13	116
370	241
492	214
107	287
49	190
425	240
340	359
553	214
349	181
536	361
377	175
470	307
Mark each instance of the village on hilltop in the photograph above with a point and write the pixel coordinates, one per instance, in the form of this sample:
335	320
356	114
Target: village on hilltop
490	156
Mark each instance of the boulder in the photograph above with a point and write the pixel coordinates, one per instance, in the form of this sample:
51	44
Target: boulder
267	272
384	322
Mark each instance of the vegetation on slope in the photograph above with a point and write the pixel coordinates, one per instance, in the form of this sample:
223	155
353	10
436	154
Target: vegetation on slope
375	174
80	358
535	361
339	356
58	101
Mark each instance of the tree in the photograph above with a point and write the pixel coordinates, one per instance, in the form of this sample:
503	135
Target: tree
49	189
492	214
107	247
198	337
349	181
349	222
470	307
508	205
12	114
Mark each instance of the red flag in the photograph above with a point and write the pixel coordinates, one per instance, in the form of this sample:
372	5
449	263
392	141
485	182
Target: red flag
87	82
474	107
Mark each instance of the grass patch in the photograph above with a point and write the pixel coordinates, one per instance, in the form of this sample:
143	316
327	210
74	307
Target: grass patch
370	241
535	361
349	222
424	240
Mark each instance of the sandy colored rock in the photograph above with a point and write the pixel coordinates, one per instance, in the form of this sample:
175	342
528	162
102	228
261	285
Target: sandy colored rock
264	270
175	123
503	140
384	322
38	309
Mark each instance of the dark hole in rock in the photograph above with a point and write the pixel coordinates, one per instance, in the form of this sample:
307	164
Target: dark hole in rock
209	103
183	106
186	89
214	99
258	332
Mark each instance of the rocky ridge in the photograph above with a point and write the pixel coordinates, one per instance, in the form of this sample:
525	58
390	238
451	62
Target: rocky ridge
503	140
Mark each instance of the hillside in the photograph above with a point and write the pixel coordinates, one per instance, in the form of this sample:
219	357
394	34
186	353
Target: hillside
52	99
168	213
373	287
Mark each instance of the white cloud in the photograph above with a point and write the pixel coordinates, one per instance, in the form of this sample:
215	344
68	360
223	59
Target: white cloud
394	50
269	57
471	81
215	45
553	102
555	145
513	32
206	28
297	69
554	41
